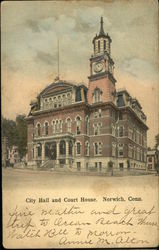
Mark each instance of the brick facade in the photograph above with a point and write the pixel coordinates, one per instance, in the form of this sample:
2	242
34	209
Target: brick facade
87	129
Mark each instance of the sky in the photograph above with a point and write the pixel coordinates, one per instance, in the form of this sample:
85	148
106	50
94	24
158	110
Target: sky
29	34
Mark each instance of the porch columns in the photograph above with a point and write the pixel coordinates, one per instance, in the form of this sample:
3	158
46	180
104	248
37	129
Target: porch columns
43	152
57	152
67	151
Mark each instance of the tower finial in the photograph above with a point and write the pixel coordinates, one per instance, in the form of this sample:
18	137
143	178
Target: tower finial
101	33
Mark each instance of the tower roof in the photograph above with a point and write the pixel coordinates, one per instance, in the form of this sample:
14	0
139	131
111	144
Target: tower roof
101	32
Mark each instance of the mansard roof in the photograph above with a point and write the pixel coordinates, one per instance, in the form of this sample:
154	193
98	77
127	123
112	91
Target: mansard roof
60	86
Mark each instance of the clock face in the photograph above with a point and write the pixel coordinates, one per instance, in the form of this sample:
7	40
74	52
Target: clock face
98	67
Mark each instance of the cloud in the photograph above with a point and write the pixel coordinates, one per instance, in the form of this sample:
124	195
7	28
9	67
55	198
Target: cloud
9	64
33	25
139	68
47	58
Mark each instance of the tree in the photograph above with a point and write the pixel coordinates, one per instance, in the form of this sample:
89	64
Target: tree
16	133
9	131
21	132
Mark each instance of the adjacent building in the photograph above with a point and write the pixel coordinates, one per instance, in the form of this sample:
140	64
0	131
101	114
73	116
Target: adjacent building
152	159
94	128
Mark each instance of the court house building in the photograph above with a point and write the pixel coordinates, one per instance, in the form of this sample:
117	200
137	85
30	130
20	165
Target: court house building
76	127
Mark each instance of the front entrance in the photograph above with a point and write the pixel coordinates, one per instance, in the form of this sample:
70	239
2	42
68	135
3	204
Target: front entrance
78	166
121	166
50	150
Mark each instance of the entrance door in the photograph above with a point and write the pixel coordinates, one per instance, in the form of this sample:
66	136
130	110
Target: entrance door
50	150
78	166
121	166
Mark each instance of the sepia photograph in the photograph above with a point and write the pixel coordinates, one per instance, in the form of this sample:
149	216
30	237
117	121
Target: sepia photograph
80	124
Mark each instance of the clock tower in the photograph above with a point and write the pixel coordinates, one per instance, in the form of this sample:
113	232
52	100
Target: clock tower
101	80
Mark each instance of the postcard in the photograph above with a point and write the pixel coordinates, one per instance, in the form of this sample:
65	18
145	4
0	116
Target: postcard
80	128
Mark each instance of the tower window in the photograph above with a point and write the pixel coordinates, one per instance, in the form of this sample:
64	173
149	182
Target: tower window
97	95
98	46
94	46
104	45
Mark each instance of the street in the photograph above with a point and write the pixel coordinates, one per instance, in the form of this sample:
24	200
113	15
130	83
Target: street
33	179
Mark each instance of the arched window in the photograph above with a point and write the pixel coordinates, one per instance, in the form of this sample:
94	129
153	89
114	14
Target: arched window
78	125
97	95
98	46
87	148
59	101
121	131
70	147
78	148
38	129
53	126
87	125
97	148
60	126
68	124
46	128
39	150
55	102
113	149
113	130
62	148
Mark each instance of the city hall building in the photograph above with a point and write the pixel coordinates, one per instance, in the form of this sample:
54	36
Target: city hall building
95	128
